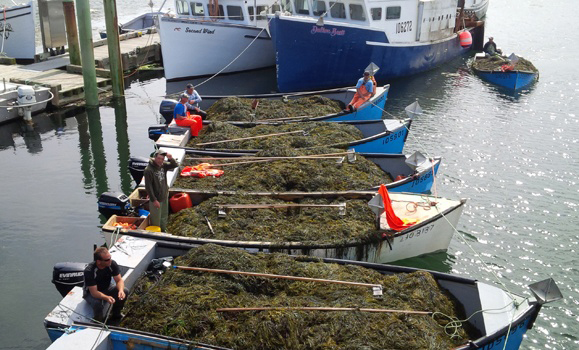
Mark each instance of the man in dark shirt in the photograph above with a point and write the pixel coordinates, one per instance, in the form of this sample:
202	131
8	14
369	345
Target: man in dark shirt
98	288
490	48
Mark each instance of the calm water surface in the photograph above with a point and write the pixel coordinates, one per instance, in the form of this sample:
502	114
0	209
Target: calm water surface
514	157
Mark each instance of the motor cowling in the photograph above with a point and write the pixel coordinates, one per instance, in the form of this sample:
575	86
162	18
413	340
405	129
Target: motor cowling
114	203
67	275
26	95
166	109
137	167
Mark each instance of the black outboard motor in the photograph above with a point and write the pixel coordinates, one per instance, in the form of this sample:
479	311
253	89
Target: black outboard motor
68	275
166	109
114	203
137	167
156	130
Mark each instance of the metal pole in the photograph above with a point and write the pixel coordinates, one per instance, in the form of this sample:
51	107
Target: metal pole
71	32
115	62
87	54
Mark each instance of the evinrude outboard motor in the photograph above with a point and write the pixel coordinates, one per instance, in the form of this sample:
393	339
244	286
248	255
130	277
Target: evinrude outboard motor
67	275
166	109
114	203
137	167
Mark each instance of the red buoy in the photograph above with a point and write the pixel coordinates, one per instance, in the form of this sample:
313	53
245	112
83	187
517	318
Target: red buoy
179	202
465	39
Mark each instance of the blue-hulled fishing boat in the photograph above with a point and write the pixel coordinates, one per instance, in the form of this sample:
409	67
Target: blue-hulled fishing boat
493	317
334	42
506	75
371	110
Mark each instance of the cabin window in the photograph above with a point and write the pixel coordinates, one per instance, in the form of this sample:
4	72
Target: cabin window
376	13
337	10
357	12
197	9
260	10
182	7
393	12
302	7
286	5
235	13
221	14
250	12
319	8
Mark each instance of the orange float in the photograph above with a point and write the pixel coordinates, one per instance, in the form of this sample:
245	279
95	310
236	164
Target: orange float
465	39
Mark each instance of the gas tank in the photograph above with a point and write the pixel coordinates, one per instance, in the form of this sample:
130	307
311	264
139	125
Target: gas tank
26	95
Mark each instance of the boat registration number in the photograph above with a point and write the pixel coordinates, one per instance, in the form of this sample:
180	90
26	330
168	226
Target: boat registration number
421	179
393	136
421	231
403	27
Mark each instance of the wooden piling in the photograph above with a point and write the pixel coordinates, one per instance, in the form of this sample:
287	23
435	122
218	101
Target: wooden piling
115	62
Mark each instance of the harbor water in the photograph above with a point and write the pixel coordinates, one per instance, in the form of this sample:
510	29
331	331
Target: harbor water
516	159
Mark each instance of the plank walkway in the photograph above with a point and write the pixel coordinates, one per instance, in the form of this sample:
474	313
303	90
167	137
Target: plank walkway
67	85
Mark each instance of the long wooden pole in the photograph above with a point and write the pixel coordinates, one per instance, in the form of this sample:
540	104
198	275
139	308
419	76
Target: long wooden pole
315	156
71	32
250	138
114	46
306	308
87	54
267	275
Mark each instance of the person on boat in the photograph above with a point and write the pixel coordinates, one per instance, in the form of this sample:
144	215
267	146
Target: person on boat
157	188
182	116
98	288
194	100
364	89
490	48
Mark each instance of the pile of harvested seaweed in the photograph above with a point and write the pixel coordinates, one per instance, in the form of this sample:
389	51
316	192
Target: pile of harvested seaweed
314	134
308	224
239	109
494	63
289	175
183	304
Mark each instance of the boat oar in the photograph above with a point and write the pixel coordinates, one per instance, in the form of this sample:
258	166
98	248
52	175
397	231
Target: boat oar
307	308
377	288
250	138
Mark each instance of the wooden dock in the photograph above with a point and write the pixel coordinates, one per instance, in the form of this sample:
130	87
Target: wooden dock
66	81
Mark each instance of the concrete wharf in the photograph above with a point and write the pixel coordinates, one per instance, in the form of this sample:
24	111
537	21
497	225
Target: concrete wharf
66	81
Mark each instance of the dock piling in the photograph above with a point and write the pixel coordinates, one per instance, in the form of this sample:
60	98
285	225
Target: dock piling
87	54
115	62
71	32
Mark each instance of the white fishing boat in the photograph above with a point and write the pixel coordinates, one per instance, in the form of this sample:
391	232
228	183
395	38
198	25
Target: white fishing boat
493	317
22	101
478	8
17	31
211	37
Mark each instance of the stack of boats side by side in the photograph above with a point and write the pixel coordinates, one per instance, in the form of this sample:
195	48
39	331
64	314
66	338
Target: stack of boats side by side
192	289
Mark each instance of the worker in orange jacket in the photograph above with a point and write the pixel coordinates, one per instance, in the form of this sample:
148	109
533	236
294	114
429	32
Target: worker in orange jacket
364	91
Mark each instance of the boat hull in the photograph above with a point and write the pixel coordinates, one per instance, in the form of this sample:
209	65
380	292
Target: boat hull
18	31
339	60
478	10
513	80
196	48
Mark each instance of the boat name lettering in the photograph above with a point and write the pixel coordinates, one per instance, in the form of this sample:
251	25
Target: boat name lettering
421	179
417	233
200	31
403	27
498	343
71	274
323	30
393	137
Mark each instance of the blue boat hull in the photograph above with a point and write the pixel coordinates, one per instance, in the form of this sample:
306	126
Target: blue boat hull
308	60
513	80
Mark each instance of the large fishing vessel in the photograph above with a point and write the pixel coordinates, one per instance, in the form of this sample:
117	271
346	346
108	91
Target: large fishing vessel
328	43
17	34
478	8
207	37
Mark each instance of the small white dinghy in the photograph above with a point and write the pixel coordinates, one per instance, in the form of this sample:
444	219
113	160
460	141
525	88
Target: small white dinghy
21	101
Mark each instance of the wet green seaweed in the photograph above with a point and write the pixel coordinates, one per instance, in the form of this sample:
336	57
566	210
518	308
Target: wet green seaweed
290	175
239	109
183	304
309	224
494	63
315	134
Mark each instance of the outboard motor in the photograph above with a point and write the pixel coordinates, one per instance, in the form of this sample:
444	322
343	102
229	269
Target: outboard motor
155	131
114	203
166	109
137	167
67	275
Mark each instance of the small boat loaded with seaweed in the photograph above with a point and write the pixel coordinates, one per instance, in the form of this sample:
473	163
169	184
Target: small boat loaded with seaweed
513	73
214	297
